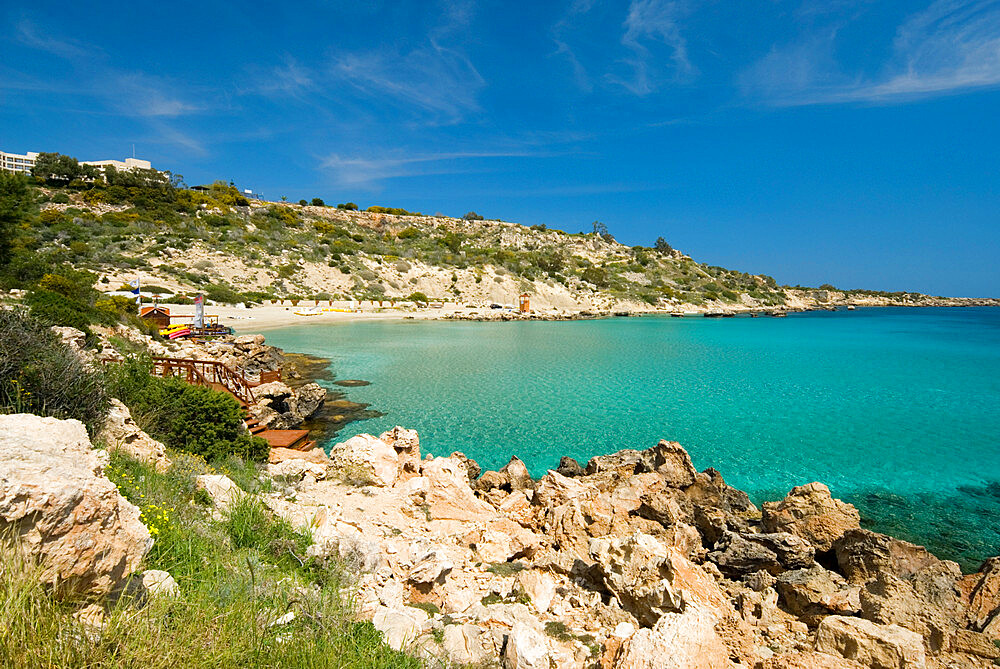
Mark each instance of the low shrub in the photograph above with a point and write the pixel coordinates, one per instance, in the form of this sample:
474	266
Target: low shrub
189	418
39	374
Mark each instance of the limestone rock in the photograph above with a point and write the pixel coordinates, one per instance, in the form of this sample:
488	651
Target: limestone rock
517	473
406	443
984	598
525	648
737	556
464	645
870	644
120	432
637	570
809	511
539	587
429	567
364	456
157	583
399	627
863	555
294	470
685	640
808	660
55	498
814	593
569	467
308	400
220	488
448	495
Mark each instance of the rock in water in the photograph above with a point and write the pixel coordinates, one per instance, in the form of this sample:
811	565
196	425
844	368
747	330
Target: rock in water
809	511
308	400
55	498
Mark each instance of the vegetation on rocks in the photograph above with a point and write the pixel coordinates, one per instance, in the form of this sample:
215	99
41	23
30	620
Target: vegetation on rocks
39	374
185	417
231	606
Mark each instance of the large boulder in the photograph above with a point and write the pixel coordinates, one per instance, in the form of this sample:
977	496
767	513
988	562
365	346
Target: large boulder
57	502
525	648
811	594
308	400
686	640
444	486
636	570
120	433
221	489
870	644
984	595
667	458
810	512
366	459
862	555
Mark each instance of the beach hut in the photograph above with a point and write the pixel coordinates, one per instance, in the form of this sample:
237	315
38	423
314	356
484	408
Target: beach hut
523	304
157	315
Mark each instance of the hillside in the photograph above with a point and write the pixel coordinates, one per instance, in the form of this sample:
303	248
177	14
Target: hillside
235	250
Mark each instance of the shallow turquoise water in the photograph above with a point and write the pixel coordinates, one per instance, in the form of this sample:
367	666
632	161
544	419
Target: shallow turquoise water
897	410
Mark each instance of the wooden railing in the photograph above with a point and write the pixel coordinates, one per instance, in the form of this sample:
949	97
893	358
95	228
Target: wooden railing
208	373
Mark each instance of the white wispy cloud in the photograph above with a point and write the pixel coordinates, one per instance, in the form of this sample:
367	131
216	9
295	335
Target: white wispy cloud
949	47
436	78
111	89
368	172
652	21
576	9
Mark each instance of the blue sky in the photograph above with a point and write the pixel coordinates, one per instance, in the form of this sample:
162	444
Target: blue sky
855	143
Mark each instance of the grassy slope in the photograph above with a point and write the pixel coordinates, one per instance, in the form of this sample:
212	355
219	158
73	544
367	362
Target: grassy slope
289	250
236	577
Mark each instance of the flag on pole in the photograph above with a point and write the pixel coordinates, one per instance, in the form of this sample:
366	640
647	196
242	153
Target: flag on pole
199	311
135	286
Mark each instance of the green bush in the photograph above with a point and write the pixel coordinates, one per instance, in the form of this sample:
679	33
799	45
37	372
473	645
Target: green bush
408	233
56	309
186	417
418	297
41	375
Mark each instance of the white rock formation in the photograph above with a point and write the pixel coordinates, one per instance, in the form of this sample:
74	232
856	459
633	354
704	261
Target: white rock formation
65	513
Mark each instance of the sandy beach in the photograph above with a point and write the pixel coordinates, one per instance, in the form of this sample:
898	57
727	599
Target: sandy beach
259	318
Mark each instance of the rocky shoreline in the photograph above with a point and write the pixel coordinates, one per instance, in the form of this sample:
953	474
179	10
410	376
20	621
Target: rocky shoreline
634	560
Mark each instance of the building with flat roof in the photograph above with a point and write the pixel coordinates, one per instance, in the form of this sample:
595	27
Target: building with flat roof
129	164
17	162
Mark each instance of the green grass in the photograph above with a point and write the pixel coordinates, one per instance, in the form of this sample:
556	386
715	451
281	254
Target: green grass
236	577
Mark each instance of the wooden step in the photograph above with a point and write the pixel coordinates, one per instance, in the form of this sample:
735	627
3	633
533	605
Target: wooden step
257	429
285	438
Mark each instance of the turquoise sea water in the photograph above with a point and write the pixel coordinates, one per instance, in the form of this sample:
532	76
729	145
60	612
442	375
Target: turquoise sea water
897	410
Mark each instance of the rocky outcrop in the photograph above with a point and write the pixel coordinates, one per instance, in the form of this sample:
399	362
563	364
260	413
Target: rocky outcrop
278	407
636	561
120	432
871	645
62	510
809	511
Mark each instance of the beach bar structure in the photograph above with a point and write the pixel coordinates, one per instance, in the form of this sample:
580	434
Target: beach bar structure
157	315
524	303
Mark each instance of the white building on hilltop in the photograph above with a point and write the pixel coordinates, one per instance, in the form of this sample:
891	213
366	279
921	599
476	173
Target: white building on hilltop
129	164
16	162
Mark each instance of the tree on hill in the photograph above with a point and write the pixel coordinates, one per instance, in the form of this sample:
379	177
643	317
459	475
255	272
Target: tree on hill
602	230
318	202
60	167
14	198
472	216
662	246
347	206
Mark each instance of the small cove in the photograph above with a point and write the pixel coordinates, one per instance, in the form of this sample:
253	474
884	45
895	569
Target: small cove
895	409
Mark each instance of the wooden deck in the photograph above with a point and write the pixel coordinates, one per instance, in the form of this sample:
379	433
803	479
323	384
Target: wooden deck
294	439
